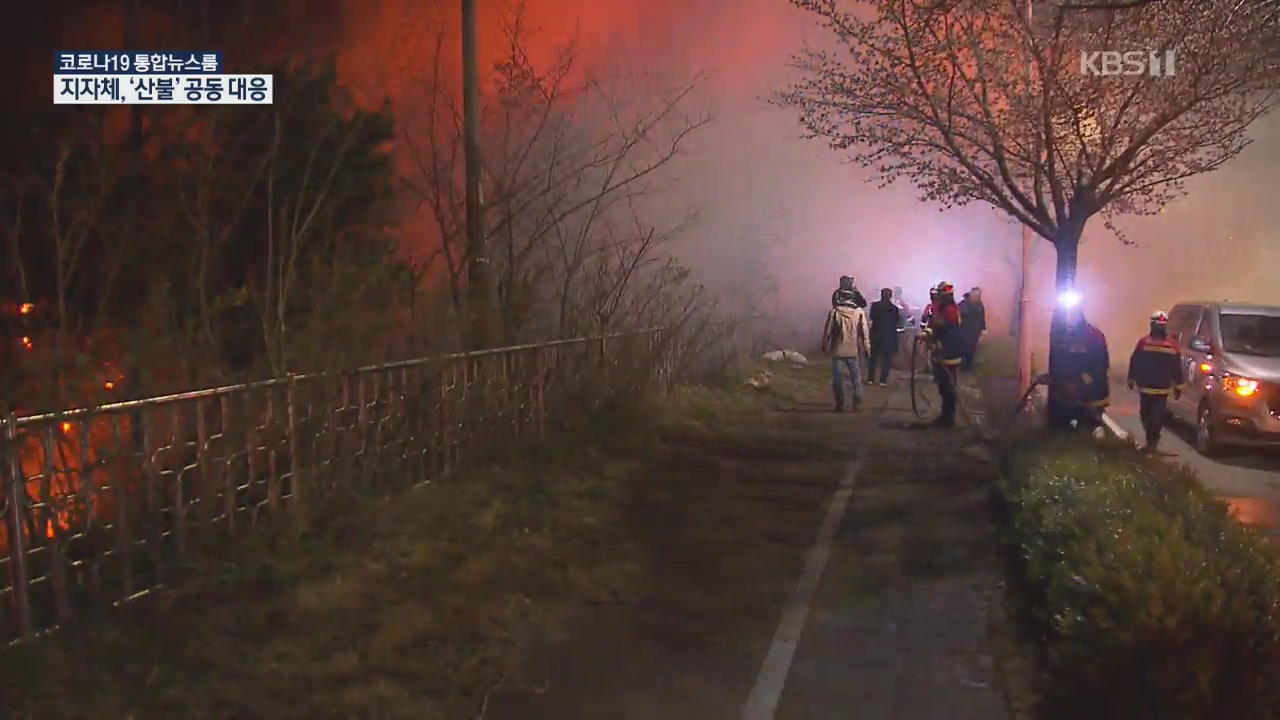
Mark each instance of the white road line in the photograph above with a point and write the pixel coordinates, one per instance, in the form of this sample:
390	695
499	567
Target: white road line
764	698
1115	428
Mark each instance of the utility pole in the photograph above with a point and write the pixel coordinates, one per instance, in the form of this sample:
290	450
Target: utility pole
1024	337
479	278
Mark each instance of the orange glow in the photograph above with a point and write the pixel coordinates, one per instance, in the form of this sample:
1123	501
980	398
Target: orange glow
26	308
109	385
1243	387
1206	368
26	342
66	427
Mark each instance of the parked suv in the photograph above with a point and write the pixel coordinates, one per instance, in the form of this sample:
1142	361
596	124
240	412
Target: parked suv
1231	365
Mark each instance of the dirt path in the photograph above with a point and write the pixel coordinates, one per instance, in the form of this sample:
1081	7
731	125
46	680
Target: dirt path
897	628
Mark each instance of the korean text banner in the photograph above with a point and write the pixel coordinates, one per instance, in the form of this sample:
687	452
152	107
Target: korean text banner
162	90
130	62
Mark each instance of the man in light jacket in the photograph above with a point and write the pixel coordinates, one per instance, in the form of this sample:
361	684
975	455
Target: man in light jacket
844	339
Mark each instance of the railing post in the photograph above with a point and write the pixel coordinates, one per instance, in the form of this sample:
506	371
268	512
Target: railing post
178	440
295	452
606	377
123	510
539	408
229	501
89	491
17	496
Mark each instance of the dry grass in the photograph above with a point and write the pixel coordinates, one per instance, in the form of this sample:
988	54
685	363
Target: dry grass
997	356
415	606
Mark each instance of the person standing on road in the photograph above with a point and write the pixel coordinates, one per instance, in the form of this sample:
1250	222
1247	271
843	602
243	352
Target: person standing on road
844	340
849	290
973	321
885	321
1155	369
946	344
1078	368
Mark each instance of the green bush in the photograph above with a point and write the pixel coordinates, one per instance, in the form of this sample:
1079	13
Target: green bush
1152	601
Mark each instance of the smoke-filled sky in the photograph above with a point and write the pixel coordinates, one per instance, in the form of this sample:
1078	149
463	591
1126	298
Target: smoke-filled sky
756	181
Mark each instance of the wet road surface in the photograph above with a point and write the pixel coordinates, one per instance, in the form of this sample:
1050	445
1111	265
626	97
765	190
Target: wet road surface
1247	479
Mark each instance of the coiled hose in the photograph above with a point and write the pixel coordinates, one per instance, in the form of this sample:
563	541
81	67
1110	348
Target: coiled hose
916	400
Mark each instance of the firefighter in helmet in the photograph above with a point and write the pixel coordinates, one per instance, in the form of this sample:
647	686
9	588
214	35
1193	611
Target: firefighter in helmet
1078	368
946	345
928	309
1155	370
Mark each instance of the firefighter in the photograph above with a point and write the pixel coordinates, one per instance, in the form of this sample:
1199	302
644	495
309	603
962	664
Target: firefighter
1078	367
1155	369
928	309
946	345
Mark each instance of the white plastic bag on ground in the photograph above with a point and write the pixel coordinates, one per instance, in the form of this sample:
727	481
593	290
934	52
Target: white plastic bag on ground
791	356
795	358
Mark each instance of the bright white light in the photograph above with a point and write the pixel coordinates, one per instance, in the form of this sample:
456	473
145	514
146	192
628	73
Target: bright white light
1069	299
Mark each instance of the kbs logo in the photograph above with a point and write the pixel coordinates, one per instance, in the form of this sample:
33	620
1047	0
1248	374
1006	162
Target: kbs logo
1136	62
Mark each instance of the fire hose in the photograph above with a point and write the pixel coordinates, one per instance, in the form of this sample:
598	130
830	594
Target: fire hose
916	343
1026	397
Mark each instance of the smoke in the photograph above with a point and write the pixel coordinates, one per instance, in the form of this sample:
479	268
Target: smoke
775	209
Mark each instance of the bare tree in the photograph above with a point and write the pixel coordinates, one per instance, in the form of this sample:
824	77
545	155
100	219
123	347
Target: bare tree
565	159
970	101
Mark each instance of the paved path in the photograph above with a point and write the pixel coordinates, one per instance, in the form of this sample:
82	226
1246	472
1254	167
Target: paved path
899	628
885	611
1249	481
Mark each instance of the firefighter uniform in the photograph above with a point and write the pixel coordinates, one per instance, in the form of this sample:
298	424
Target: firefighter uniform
1155	370
1079	364
946	352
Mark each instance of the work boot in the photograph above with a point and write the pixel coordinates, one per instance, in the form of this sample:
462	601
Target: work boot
857	403
884	384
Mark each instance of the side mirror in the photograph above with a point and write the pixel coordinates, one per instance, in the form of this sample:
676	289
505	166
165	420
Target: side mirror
1199	345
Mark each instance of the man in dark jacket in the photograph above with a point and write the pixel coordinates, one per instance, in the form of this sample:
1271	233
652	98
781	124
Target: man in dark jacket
973	322
847	291
1078	367
1155	369
885	320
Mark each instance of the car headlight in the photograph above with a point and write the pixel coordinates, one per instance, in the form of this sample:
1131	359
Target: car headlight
1239	386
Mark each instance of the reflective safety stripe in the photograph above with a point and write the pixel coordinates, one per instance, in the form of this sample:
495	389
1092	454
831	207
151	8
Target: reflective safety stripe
1099	403
1160	349
953	361
1154	391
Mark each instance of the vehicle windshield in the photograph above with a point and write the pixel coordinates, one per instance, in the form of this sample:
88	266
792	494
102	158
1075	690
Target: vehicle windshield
1251	334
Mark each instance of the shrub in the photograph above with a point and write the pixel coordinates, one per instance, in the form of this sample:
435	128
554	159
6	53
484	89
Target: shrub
1152	601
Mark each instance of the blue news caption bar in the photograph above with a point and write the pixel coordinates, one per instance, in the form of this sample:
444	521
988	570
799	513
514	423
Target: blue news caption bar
133	62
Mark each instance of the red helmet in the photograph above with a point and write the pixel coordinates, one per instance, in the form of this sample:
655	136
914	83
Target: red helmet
1159	317
946	288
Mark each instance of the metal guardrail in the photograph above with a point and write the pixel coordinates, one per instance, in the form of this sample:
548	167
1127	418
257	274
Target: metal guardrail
106	504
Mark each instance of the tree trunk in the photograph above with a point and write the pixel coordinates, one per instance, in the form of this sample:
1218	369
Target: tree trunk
1022	312
1067	245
